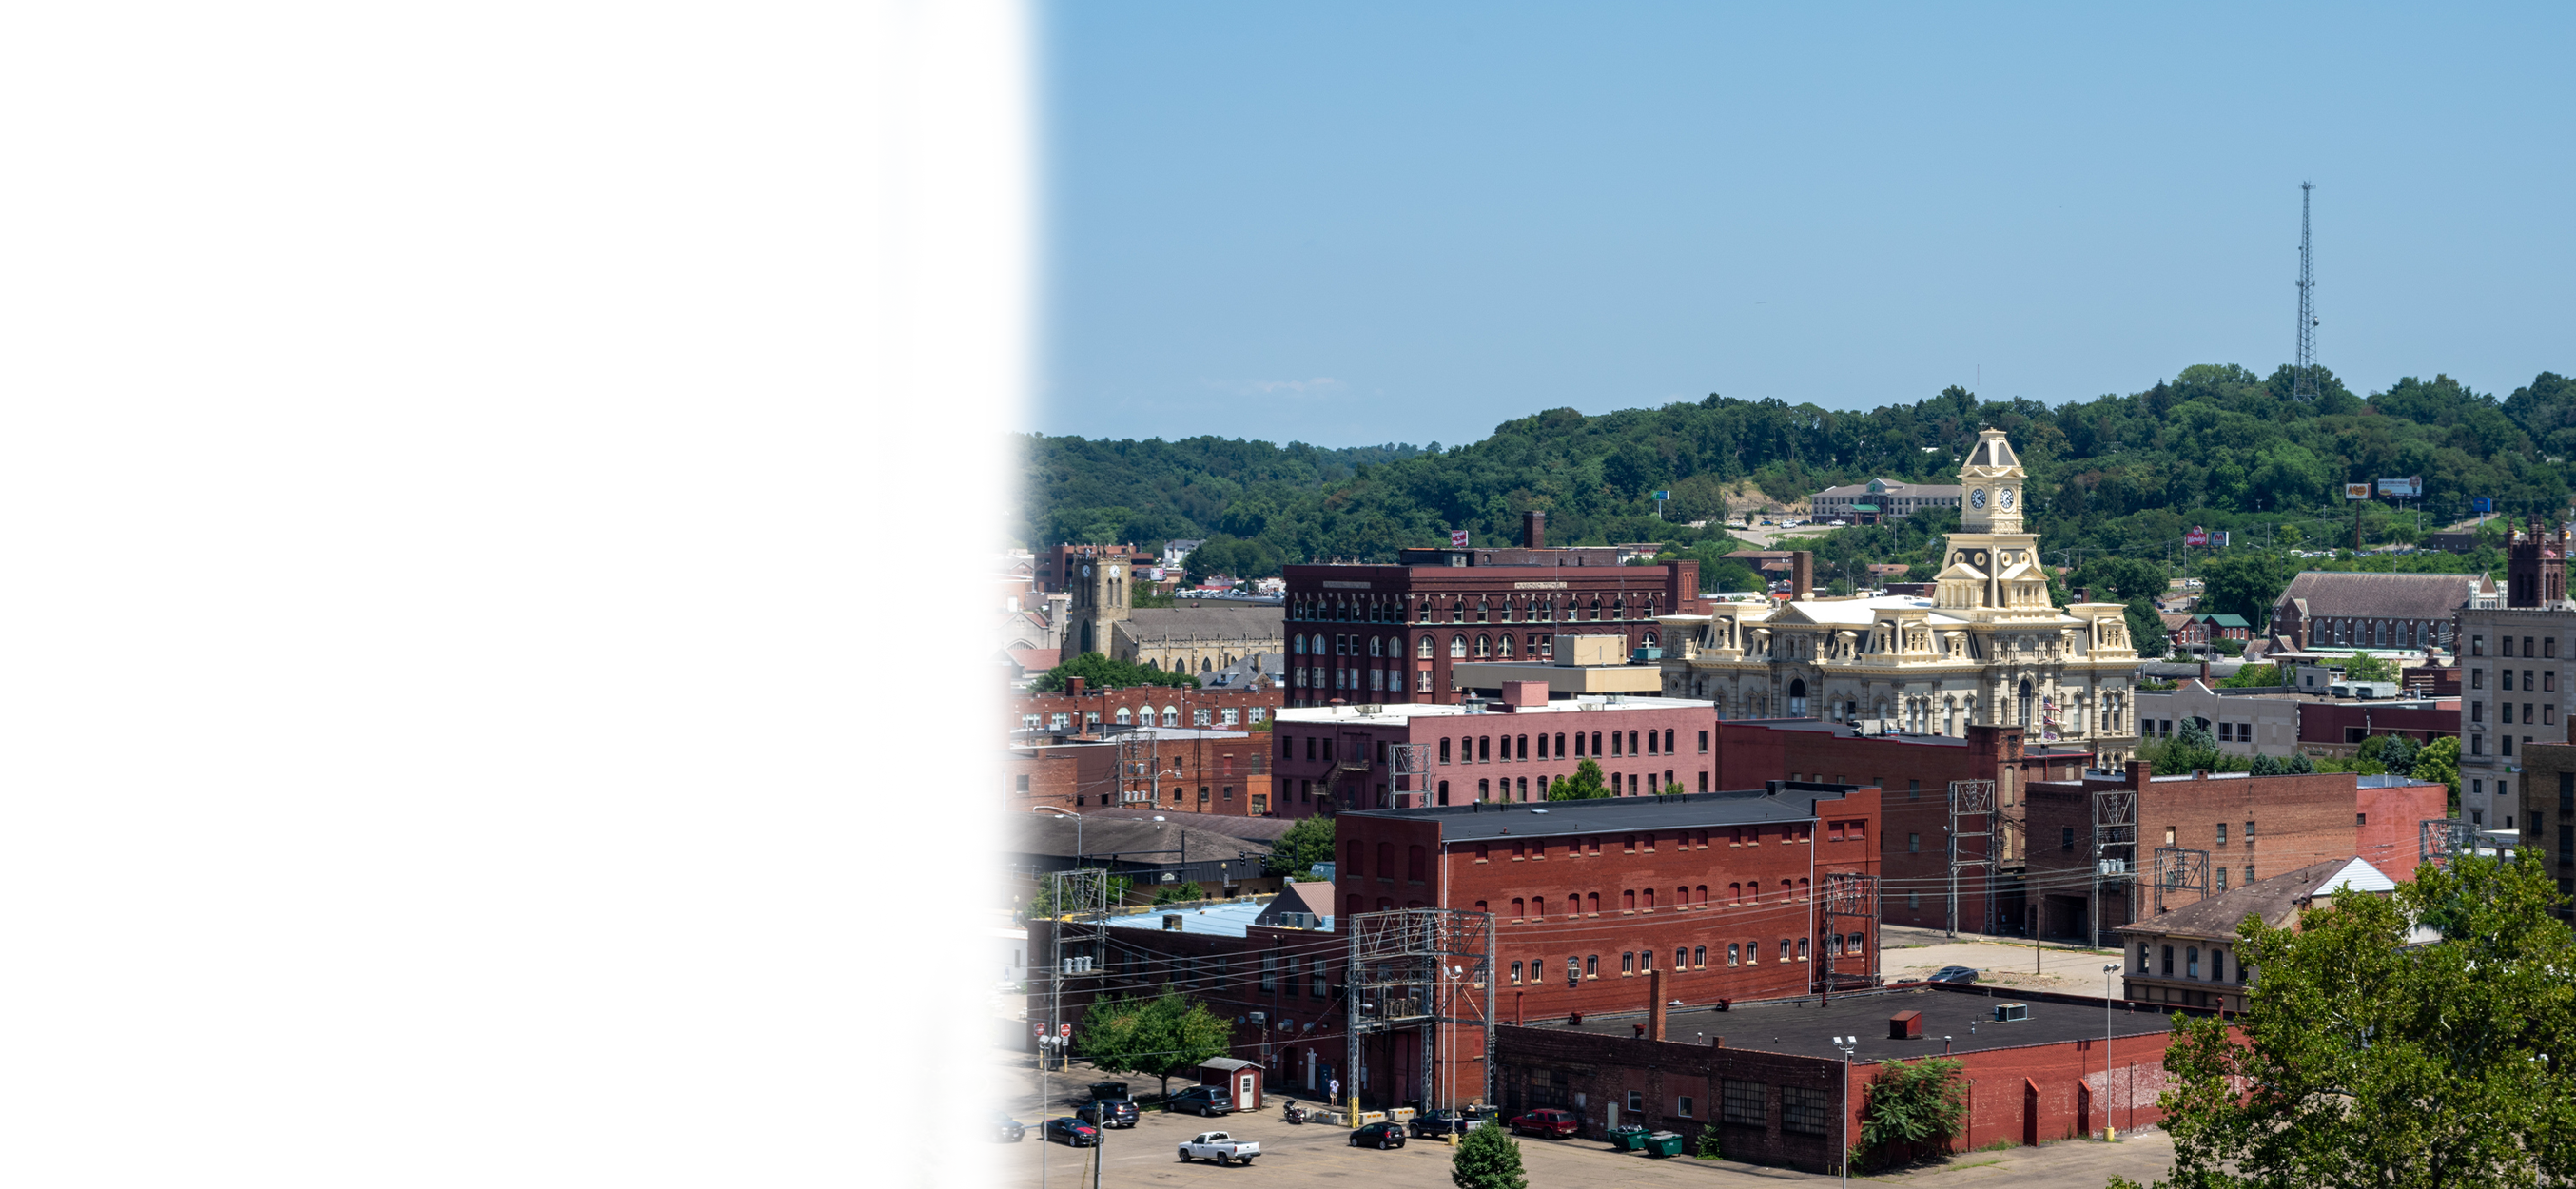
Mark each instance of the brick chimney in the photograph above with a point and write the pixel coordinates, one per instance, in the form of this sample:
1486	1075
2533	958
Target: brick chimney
1802	573
1655	1012
1533	530
990	706
1073	687
2139	772
1517	694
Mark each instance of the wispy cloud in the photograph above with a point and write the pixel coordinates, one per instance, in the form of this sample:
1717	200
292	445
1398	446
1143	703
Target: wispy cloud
1319	386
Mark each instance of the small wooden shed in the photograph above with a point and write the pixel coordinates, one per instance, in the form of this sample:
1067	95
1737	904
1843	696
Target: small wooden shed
1242	1079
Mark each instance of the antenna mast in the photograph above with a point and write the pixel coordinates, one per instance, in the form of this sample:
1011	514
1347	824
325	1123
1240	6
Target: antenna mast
2303	385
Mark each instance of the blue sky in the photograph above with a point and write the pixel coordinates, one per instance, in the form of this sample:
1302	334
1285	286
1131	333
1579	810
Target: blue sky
1349	224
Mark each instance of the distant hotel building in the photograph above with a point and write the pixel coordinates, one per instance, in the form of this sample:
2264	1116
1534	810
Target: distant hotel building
1867	503
1391	633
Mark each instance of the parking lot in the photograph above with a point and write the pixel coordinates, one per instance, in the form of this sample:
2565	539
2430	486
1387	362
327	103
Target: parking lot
1313	1156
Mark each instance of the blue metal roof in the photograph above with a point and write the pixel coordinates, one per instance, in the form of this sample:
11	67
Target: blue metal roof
1232	918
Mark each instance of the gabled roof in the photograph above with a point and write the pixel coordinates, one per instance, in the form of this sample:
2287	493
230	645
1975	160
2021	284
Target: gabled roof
1313	899
2277	900
2224	621
2323	594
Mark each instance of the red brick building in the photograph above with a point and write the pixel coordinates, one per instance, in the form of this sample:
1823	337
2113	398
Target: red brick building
1178	770
1510	750
2336	728
1608	904
1079	710
2248	827
1768	1081
1389	633
1915	772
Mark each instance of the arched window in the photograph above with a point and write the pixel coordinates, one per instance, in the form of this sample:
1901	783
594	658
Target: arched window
1797	698
1458	647
1483	647
1351	856
1650	640
1171	716
1375	649
1125	716
1504	649
2023	710
1484	749
1596	743
1735	893
1422	648
1618	744
1484	790
1298	644
1444	749
1444	792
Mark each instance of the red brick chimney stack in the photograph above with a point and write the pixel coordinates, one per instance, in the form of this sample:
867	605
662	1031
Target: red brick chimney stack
1533	530
1655	1013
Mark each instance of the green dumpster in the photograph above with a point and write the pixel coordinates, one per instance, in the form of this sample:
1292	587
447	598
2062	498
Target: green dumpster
1629	1139
1664	1143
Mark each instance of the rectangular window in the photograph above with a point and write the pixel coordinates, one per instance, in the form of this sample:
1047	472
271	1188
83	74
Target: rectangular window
1805	1110
1748	1103
1637	1101
2222	833
1020	783
1734	955
1914	844
2066	838
1516	974
1317	976
1703	750
1682	1107
2222	879
1269	972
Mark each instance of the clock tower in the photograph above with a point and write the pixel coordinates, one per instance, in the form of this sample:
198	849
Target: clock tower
1993	566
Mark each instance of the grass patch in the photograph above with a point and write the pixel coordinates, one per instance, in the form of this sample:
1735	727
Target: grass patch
959	1089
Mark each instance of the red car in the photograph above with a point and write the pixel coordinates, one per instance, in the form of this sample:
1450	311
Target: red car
1547	1121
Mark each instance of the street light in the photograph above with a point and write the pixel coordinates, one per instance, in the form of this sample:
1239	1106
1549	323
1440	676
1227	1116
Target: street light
1845	1043
2108	1135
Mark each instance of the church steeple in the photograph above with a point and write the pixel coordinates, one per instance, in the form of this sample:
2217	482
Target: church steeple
1991	486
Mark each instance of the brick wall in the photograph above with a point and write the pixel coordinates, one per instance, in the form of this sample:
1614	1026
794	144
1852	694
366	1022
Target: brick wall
1658	893
2299	820
1103	705
2027	1094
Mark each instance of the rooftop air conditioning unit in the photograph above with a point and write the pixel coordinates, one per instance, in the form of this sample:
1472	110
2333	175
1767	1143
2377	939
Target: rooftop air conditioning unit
2006	1013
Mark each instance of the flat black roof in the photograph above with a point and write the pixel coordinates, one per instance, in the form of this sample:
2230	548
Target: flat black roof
1844	730
1805	1028
1795	802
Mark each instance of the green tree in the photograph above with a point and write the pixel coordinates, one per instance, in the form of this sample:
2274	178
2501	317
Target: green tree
2365	1059
1584	785
1099	672
2440	760
1155	1037
1179	891
2146	629
1487	1158
2253	676
2365	667
2246	583
2119	579
1912	1108
948	1033
1305	844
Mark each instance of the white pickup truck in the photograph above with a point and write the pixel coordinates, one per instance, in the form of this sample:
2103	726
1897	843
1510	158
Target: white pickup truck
1220	1147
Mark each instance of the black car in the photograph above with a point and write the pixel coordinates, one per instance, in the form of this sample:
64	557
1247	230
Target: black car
1070	1130
1201	1100
1108	1112
987	1123
1435	1124
1377	1135
1953	974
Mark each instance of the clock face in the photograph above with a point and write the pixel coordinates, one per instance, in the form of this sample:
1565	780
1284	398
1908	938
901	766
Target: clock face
1977	498
2007	499
1086	571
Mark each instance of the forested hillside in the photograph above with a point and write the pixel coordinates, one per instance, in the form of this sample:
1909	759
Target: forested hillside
2118	475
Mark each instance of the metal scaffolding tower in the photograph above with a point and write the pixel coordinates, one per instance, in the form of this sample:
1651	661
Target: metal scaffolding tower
2115	828
1420	969
2180	869
2441	839
1851	898
2303	385
1080	894
1140	759
1972	815
1410	765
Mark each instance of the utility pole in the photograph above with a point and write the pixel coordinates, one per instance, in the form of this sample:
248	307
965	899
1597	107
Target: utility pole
2303	385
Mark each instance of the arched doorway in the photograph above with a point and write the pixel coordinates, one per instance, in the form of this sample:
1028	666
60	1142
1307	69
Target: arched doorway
1797	698
2023	712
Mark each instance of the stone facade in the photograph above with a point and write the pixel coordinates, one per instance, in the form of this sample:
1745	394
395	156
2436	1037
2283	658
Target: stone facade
1987	649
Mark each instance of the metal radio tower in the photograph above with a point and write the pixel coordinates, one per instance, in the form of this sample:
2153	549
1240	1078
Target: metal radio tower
2303	385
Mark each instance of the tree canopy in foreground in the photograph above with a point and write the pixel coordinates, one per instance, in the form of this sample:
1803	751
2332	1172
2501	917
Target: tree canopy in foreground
2370	1058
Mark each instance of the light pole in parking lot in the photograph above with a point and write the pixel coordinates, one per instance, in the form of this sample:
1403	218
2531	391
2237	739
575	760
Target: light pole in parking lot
1845	1043
2108	1135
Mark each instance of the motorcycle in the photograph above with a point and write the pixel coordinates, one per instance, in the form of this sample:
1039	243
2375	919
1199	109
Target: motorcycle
1294	1114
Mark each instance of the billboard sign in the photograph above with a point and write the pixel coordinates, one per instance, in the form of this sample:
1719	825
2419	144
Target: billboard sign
2482	504
1458	538
2219	539
2197	536
2356	491
2408	488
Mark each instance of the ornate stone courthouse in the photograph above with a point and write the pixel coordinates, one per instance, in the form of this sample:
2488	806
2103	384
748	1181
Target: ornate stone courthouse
1988	649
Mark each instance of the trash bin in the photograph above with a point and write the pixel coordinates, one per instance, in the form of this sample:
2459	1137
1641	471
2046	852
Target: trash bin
1629	1139
1664	1143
